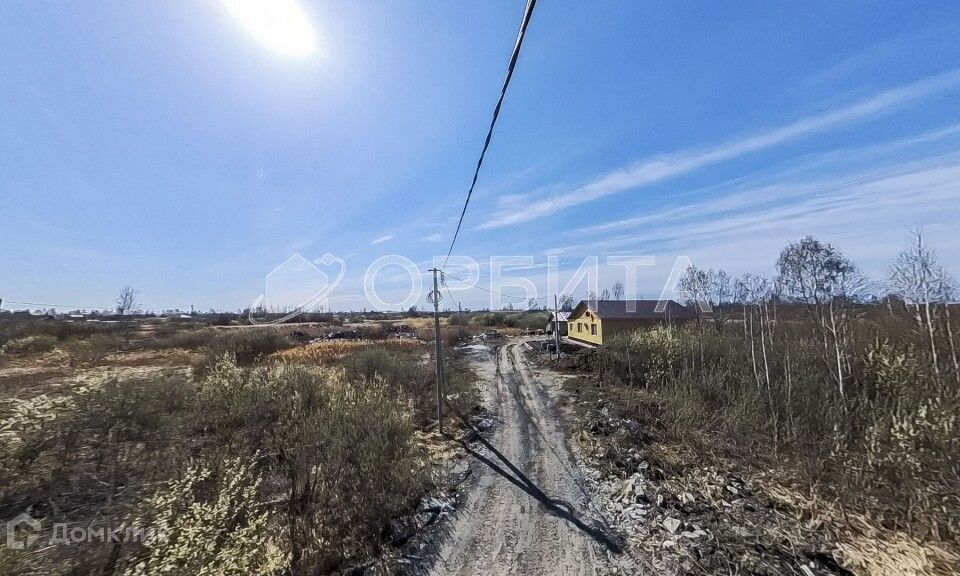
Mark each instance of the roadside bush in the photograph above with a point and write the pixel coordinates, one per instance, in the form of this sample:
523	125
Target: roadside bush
334	446
459	320
406	373
402	372
343	453
890	435
23	563
225	533
394	369
451	335
362	433
461	385
30	344
74	452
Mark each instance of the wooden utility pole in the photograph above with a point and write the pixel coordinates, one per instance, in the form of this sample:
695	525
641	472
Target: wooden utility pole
459	321
556	325
438	348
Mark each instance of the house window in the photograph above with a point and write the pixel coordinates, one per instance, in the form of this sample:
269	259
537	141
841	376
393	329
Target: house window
593	329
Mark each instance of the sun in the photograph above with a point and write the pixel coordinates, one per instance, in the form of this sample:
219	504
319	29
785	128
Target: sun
280	25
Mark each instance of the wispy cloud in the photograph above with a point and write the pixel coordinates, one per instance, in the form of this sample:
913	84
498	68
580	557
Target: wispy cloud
870	212
789	183
663	167
435	237
382	239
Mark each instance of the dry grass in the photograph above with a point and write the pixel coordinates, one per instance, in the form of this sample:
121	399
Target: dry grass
776	523
890	448
875	464
332	351
89	441
424	322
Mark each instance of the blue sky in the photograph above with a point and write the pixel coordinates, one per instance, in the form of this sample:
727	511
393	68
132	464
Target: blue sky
159	145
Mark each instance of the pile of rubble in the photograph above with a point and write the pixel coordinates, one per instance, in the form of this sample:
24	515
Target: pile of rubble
700	521
414	538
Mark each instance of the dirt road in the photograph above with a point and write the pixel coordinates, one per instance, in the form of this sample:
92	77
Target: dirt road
528	512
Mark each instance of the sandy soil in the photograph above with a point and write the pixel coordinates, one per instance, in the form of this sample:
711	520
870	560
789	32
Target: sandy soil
528	512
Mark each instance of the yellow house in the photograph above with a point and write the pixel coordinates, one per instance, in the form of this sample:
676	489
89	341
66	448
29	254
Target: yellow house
592	320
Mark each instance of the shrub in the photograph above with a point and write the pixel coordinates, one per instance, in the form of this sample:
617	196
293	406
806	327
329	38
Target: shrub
29	427
491	319
144	412
60	329
225	534
451	335
461	385
533	320
188	338
76	449
398	370
92	349
336	449
24	563
459	320
249	346
345	456
333	351
244	346
30	344
66	330
407	374
891	435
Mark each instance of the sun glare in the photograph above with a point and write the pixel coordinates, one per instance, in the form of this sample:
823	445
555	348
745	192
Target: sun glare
280	25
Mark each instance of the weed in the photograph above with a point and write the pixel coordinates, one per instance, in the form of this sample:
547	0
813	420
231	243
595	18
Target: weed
30	344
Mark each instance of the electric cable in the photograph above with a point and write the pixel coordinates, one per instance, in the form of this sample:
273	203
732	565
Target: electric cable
527	13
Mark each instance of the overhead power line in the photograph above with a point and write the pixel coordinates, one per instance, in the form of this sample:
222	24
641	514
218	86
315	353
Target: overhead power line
507	296
48	305
527	13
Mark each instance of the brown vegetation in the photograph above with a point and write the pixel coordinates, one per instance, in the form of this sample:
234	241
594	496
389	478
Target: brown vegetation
844	401
265	458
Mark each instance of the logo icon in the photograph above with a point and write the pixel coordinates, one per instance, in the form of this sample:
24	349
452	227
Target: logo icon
296	286
22	523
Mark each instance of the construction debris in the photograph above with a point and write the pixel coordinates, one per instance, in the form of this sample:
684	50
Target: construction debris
705	521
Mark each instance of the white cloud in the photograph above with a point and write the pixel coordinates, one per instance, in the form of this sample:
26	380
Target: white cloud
867	214
781	187
435	237
382	239
667	166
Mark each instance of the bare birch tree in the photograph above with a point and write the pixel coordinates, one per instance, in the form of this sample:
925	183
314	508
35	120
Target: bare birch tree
127	300
617	290
818	274
925	287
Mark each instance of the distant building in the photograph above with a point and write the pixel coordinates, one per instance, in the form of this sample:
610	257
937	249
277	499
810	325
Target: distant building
561	319
591	321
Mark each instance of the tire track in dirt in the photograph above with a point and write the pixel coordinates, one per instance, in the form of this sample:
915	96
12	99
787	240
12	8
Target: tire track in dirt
536	522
